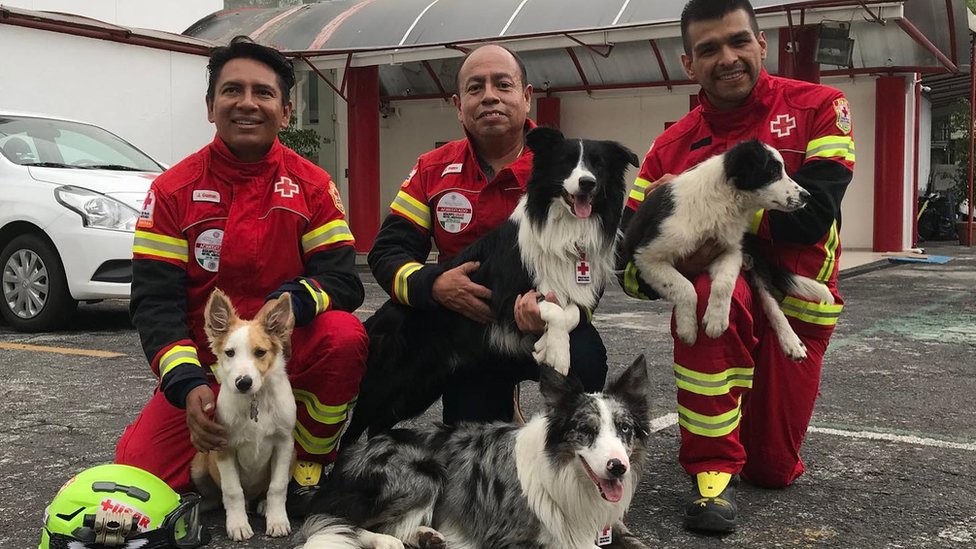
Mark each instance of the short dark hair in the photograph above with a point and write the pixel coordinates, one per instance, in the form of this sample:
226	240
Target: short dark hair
518	61
708	10
243	47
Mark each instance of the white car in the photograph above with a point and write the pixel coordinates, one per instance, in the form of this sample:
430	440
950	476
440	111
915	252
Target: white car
70	195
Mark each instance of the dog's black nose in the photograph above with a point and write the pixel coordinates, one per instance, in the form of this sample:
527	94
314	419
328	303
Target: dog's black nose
616	468
587	183
243	383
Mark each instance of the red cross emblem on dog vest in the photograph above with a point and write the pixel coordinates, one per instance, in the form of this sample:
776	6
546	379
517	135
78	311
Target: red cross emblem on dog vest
783	125
583	270
286	188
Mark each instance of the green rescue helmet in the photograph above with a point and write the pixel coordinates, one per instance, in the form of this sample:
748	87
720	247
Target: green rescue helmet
110	506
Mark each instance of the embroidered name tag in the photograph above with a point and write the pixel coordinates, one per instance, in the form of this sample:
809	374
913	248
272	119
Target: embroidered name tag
451	168
206	196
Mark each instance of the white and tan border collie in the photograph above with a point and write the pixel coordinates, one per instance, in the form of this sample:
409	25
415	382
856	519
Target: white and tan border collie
256	406
557	482
564	223
717	200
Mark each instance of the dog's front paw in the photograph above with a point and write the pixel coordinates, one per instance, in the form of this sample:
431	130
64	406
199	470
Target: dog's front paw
428	538
715	321
685	324
793	347
277	524
238	529
553	353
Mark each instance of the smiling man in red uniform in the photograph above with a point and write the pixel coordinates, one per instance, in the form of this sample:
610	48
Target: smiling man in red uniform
743	406
249	216
454	195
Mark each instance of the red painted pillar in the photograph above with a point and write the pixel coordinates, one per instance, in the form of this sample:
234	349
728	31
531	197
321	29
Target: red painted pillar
889	164
364	154
547	111
800	63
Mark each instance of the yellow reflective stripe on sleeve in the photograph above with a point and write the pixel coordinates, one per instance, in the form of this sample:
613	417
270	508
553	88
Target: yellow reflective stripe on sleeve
832	146
712	384
319	296
179	354
400	289
822	314
312	444
158	245
322	413
639	190
330	233
710	426
631	287
412	209
757	221
830	250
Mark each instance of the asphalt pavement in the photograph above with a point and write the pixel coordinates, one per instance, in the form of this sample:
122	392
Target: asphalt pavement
890	454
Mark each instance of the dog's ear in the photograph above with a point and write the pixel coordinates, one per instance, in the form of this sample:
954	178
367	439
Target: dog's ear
218	315
633	386
277	317
748	163
543	138
624	154
557	388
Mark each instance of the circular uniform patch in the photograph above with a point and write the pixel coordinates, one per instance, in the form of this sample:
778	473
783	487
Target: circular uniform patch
207	249
454	212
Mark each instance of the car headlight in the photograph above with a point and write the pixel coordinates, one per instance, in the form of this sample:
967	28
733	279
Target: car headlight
96	209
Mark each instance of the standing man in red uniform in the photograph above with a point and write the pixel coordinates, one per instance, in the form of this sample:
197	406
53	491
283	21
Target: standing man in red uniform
252	217
456	194
743	406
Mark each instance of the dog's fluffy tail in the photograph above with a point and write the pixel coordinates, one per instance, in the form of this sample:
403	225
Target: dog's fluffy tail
325	532
807	288
778	280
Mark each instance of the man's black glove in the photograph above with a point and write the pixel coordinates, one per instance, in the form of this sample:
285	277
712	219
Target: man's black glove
302	302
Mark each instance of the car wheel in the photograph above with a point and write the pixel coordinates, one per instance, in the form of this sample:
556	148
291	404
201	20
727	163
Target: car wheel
34	291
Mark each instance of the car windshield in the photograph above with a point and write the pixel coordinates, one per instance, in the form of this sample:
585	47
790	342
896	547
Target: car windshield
53	143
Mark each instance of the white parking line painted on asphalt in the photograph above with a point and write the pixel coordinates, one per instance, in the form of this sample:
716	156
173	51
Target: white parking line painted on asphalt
667	420
907	439
59	350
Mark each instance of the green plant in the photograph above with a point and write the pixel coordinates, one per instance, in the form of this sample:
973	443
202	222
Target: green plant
960	127
304	141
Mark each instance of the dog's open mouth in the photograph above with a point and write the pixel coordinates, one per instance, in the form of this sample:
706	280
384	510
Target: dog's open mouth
581	204
612	489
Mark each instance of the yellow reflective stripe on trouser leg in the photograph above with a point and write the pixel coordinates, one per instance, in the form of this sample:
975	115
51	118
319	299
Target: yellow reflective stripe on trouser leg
710	426
720	383
312	444
322	413
822	314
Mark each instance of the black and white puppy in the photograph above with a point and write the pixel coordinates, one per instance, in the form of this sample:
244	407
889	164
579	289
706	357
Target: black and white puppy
554	483
566	222
717	200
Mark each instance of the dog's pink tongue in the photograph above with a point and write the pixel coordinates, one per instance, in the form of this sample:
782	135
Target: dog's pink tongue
582	206
612	489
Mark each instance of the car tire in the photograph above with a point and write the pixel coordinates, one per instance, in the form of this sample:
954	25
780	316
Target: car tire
30	259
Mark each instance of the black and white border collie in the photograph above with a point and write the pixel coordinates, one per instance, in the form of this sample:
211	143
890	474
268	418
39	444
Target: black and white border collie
567	218
556	482
717	200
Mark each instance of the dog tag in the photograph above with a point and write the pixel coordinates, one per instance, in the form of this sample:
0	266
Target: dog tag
605	537
254	409
583	275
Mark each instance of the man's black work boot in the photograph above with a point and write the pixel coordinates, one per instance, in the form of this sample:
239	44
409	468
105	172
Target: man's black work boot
711	507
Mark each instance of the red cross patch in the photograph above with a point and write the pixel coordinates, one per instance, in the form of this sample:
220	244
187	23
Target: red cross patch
843	111
286	188
783	125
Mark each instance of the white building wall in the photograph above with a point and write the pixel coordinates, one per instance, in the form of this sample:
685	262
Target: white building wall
166	15
925	145
634	118
152	98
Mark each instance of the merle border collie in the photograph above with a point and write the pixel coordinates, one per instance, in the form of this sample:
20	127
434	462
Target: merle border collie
557	482
718	199
567	219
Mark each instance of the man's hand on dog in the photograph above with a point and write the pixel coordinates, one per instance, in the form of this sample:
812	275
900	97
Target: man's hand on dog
454	290
205	433
528	318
